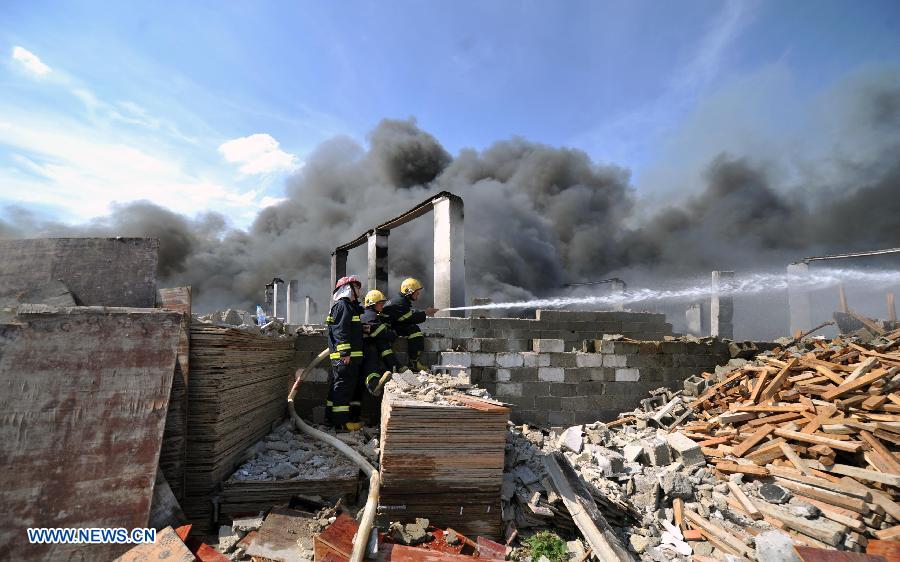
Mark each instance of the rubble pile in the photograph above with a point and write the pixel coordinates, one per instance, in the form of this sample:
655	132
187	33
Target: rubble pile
799	446
433	387
241	320
286	454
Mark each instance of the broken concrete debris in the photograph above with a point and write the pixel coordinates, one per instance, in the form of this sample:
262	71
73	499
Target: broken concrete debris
244	321
286	454
796	447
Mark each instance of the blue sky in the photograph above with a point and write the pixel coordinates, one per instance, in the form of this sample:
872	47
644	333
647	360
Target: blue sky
210	105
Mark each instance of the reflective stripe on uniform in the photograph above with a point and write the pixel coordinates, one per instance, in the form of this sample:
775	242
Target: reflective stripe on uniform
405	316
335	355
356	354
355	403
386	352
329	403
340	409
371	376
342	346
377	331
414	335
354	319
329	319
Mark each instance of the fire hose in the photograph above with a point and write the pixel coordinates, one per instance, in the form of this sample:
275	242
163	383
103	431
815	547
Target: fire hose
361	539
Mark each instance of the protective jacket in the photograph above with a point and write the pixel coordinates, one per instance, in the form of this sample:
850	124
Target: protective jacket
345	331
400	311
380	336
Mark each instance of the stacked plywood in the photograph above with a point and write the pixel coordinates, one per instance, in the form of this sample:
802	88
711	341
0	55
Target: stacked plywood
238	387
443	462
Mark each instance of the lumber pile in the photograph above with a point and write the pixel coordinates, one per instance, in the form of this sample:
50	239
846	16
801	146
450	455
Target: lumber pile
822	422
238	384
442	456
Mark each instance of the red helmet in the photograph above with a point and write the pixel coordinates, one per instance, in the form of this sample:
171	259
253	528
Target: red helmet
346	280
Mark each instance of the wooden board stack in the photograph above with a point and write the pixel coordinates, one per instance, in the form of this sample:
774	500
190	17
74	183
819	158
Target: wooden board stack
247	497
443	462
238	386
825	424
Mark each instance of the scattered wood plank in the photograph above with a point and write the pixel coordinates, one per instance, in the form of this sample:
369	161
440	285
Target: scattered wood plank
744	500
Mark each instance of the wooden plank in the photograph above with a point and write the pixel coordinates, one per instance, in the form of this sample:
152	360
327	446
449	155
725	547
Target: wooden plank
755	438
734	468
778	381
678	509
757	390
833	498
863	474
584	512
826	531
862	494
859	383
744	500
720	533
882	451
889	534
794	458
819	440
849	519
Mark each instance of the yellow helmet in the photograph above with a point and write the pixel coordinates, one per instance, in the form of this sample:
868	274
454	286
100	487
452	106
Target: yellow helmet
409	286
374	297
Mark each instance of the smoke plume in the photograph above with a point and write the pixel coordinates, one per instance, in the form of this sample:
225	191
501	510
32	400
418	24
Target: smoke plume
537	216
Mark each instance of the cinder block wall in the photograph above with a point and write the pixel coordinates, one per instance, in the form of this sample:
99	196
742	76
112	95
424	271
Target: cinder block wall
549	386
485	338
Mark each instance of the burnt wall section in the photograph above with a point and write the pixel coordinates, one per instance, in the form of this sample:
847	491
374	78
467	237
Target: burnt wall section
84	393
97	271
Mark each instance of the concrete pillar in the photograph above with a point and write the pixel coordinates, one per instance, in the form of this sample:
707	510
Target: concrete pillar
293	306
309	306
798	298
378	260
269	300
617	287
279	299
694	317
449	255
338	267
721	305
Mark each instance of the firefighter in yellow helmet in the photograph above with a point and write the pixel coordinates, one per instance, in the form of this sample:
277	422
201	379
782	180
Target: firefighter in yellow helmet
405	320
379	360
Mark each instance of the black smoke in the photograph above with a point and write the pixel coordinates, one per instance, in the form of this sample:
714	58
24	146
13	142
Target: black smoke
537	216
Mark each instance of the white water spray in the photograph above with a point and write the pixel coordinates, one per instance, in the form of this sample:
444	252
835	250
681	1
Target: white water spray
752	284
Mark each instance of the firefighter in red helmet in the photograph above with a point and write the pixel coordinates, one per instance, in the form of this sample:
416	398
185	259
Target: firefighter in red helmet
345	341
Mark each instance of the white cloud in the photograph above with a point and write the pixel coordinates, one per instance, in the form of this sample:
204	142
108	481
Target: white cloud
269	201
63	165
30	61
258	154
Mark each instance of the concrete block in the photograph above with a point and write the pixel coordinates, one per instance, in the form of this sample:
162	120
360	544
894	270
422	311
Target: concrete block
602	374
628	375
615	360
524	374
548	345
575	403
438	344
483	359
504	375
509	360
694	385
552	374
563	389
460	358
509	389
562	359
686	450
547	403
560	418
473	344
657	451
536	389
571	439
577	374
588	360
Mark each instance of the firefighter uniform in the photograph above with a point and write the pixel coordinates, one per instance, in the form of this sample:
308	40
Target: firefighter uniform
378	352
405	320
345	339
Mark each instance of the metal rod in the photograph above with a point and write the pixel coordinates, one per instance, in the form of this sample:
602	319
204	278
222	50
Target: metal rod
853	255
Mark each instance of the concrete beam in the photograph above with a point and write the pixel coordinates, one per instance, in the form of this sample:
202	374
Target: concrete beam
721	305
279	299
799	302
378	260
449	255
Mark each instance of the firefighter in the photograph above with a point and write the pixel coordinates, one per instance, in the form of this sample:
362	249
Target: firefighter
405	320
345	340
379	360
